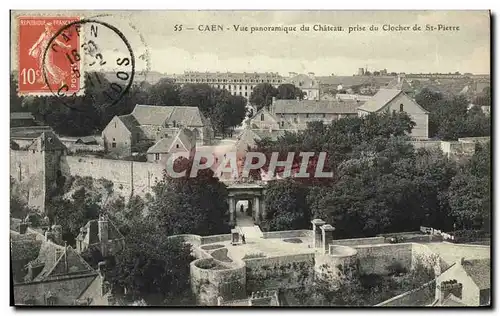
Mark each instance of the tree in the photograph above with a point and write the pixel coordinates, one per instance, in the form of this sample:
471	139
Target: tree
288	91
164	93
262	95
152	267
469	194
286	207
229	111
15	100
199	95
188	205
74	213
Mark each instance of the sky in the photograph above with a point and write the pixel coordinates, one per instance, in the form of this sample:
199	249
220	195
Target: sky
323	53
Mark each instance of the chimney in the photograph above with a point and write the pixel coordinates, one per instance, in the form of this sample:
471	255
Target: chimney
327	232
103	234
450	287
23	227
316	225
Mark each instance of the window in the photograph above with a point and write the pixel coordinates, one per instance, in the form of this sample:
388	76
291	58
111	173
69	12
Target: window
157	156
401	107
324	115
262	116
282	123
246	94
115	124
234	87
174	123
113	145
240	92
307	115
295	119
240	87
246	87
177	146
114	139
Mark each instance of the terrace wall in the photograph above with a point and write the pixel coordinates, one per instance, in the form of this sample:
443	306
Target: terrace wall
374	259
279	272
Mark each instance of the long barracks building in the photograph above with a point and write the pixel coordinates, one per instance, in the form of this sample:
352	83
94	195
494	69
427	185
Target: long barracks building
237	83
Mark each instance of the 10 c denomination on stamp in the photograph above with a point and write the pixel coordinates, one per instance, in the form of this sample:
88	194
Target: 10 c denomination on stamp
34	57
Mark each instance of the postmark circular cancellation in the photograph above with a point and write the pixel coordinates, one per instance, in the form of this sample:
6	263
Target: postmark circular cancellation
95	53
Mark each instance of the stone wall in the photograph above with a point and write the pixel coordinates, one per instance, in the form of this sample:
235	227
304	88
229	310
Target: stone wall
359	241
288	233
211	278
341	261
374	259
279	272
28	171
127	176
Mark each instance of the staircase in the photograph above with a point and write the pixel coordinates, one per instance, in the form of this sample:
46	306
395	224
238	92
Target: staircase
251	232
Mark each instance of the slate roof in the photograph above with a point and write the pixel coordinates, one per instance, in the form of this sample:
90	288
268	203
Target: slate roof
28	132
158	115
316	106
164	145
479	270
21	116
130	122
90	232
47	141
380	99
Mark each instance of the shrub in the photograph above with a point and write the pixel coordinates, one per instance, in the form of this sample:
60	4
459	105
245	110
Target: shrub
396	268
463	236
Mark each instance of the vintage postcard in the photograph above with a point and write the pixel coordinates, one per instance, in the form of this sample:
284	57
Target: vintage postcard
250	158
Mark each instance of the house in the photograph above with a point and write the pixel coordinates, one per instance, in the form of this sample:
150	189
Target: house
101	235
20	119
183	141
55	274
307	83
86	140
399	83
247	139
148	124
297	113
263	119
393	100
465	283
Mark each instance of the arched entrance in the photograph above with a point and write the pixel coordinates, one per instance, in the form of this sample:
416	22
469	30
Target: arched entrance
250	196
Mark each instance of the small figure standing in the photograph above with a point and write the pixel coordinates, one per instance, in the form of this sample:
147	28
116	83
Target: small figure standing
242	209
243	239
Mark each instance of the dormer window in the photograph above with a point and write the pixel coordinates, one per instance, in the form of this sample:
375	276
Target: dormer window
262	116
401	107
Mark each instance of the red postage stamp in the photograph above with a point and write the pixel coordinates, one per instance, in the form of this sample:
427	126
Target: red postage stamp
45	63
